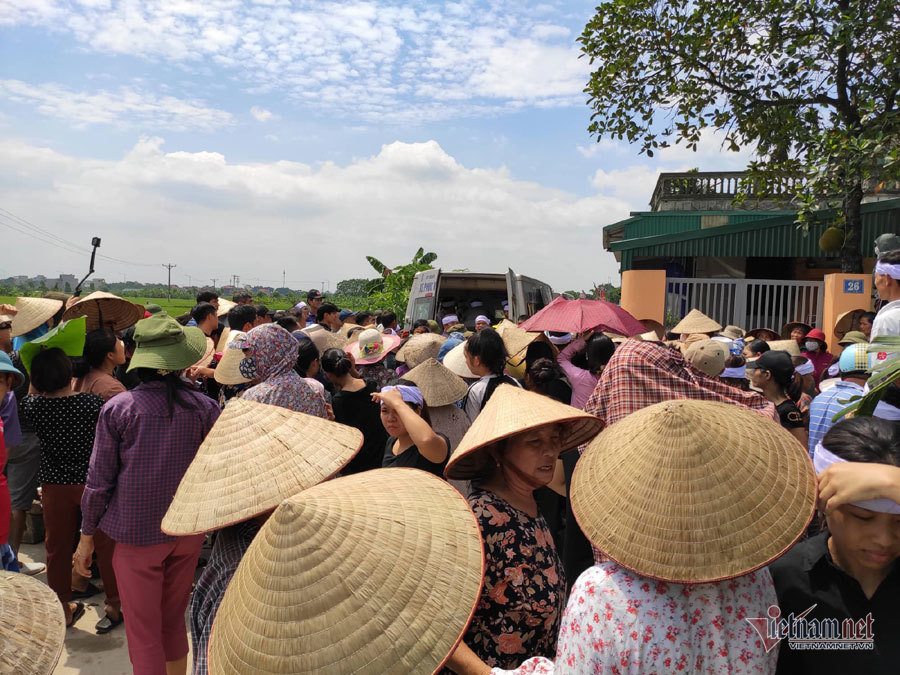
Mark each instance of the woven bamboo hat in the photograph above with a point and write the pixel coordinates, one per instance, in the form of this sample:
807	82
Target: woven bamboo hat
515	339
656	327
419	348
455	361
105	309
733	332
697	322
438	384
848	321
32	628
765	334
789	346
324	339
378	572
510	411
228	370
694	491
255	456
224	306
33	312
788	327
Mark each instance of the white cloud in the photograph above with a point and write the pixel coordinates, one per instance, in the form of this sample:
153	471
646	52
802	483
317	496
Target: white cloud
374	61
261	114
128	106
156	206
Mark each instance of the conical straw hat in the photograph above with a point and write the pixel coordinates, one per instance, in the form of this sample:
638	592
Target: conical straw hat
33	312
255	456
788	328
32	627
694	491
228	369
439	386
510	411
515	339
105	309
420	348
789	346
378	572
324	339
847	321
762	334
455	362
224	306
697	322
451	421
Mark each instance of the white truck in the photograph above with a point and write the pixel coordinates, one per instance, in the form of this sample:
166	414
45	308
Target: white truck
435	294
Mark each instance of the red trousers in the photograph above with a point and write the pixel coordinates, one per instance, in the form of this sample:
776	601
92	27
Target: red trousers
62	523
155	585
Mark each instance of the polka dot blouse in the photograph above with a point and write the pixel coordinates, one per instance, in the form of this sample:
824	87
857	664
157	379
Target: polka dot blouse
65	427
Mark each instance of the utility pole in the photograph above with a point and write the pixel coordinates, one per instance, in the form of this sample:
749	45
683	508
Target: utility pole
214	283
189	281
282	278
169	293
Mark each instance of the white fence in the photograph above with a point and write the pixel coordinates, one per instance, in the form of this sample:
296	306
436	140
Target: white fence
749	303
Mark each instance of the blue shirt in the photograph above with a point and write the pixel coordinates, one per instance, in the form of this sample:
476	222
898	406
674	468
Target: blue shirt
825	406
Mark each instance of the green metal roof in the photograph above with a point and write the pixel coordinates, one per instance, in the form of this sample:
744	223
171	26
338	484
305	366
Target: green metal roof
747	234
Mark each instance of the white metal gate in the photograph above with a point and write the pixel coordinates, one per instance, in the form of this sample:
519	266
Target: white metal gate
749	303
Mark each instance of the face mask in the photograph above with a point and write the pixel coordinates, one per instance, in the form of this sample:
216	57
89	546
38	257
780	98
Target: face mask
247	366
811	346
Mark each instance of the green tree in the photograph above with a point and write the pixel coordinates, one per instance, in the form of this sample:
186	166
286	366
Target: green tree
352	287
391	290
812	87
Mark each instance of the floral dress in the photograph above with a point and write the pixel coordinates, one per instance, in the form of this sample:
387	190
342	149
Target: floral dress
617	621
524	591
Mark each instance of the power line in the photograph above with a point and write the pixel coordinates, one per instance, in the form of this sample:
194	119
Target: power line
55	240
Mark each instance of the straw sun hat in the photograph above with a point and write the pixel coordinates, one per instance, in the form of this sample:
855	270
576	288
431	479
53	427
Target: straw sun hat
438	384
228	370
455	362
789	346
515	339
33	312
324	339
106	309
420	348
378	572
697	322
32	628
510	411
371	346
694	491
255	456
789	327
224	306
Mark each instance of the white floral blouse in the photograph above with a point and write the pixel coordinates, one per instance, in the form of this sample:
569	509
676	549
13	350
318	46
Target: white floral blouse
621	623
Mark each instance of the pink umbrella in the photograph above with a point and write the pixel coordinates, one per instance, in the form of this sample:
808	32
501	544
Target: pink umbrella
576	316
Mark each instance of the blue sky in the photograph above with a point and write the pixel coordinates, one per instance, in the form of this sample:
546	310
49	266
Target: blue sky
249	137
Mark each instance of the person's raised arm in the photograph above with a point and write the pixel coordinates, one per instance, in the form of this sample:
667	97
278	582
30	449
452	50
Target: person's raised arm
847	482
431	446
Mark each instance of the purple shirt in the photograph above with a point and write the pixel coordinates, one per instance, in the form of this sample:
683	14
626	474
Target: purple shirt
583	381
139	458
9	412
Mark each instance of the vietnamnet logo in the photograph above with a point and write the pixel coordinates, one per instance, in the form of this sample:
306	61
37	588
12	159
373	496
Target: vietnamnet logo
804	634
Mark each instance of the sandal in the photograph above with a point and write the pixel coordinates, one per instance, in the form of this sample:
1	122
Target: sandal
88	592
107	623
77	613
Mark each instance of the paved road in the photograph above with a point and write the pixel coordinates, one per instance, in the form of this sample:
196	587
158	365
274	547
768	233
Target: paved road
85	652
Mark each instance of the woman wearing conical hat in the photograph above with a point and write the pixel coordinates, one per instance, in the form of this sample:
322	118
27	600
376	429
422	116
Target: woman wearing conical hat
688	501
511	450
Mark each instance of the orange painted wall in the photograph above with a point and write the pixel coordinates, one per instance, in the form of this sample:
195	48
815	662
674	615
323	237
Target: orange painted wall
837	301
644	294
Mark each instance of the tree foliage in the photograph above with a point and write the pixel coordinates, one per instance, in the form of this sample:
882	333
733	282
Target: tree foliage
352	287
391	290
812	86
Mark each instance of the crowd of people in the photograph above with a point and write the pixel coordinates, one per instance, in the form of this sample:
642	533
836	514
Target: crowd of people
322	491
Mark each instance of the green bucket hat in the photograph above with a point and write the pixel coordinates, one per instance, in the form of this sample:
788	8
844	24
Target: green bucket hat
68	336
164	344
853	337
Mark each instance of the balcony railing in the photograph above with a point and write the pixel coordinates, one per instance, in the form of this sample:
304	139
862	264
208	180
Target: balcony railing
718	185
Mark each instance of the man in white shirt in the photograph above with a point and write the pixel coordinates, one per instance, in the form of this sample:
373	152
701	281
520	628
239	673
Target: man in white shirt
887	283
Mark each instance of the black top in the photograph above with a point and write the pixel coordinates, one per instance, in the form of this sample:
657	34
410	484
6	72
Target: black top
65	426
22	390
790	415
411	457
807	576
357	409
